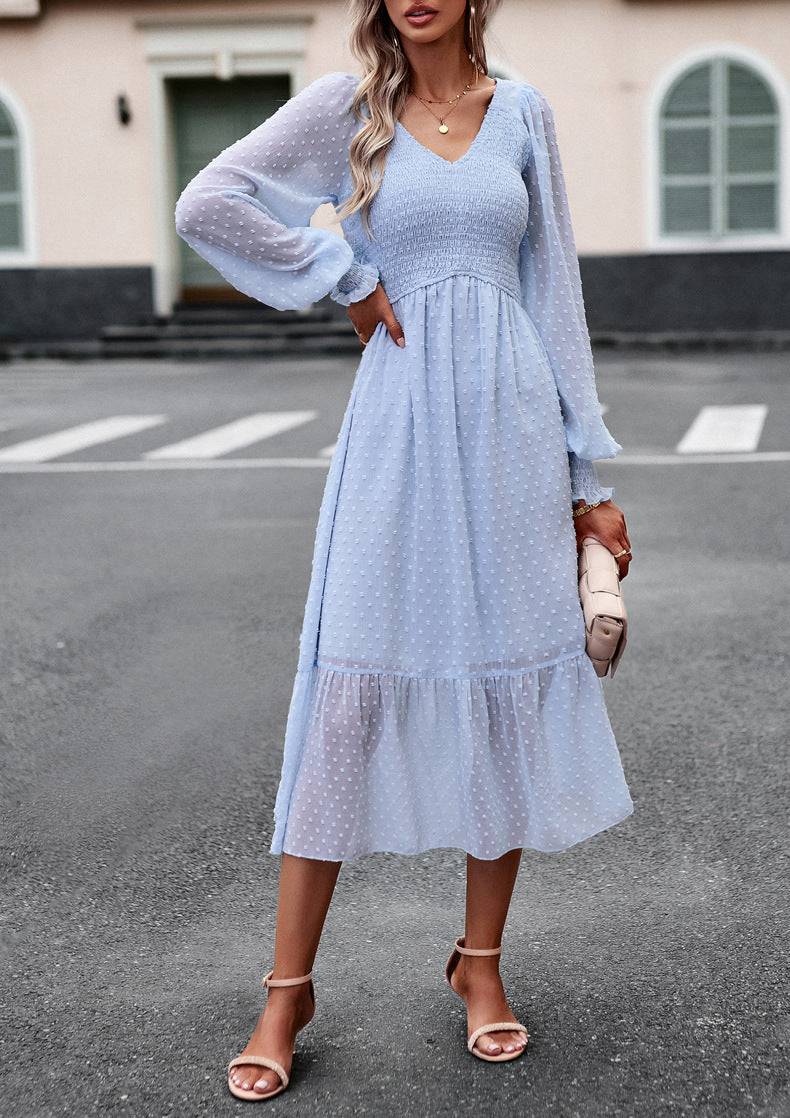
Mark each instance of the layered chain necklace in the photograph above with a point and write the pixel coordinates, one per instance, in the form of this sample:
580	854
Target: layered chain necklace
454	101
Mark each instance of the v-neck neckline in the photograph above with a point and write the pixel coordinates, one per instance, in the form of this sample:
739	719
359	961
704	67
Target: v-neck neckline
472	146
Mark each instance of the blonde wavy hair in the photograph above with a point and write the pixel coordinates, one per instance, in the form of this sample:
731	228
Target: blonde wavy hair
384	87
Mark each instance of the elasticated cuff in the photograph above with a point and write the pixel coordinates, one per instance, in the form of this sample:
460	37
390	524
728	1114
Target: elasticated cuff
357	283
585	485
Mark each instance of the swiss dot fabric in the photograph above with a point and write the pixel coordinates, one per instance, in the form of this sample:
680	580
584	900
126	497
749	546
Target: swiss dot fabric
443	696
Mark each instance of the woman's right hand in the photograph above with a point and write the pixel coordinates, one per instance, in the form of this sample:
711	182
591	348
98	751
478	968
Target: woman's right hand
366	314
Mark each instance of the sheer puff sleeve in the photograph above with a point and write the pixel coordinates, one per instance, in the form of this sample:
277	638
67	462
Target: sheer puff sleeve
248	211
552	296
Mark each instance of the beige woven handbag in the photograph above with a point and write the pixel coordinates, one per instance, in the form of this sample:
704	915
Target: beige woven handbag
605	617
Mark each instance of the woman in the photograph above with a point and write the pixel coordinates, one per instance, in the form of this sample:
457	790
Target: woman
443	696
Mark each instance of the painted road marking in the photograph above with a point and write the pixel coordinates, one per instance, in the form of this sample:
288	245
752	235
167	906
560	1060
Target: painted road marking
721	429
71	439
141	464
233	436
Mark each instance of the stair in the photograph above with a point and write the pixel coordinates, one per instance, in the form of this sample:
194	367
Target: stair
210	330
228	330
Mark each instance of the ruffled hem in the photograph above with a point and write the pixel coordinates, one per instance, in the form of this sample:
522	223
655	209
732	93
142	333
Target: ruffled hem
460	845
507	757
590	439
585	484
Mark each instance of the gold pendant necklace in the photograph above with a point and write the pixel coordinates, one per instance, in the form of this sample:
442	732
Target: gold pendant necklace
443	127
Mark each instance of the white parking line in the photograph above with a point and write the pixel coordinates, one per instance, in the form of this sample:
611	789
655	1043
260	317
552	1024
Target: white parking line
71	439
141	464
719	428
233	436
650	459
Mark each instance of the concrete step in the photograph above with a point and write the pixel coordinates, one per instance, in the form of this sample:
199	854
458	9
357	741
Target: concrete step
240	313
240	345
170	329
232	330
119	342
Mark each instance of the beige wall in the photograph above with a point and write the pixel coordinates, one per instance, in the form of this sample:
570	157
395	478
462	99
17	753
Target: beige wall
599	61
92	178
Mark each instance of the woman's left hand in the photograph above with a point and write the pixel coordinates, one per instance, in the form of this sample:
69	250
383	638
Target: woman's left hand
606	523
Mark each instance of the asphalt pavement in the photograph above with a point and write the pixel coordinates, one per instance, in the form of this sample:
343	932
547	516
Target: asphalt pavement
151	606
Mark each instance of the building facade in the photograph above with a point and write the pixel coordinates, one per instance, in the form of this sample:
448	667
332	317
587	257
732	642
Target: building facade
673	119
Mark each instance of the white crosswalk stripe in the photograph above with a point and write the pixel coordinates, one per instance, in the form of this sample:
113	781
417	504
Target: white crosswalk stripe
141	465
718	433
718	429
233	436
72	439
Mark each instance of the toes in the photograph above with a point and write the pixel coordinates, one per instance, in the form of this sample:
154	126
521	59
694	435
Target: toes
493	1044
243	1076
267	1082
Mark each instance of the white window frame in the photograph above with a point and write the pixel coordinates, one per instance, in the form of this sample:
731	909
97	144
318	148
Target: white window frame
657	240
26	255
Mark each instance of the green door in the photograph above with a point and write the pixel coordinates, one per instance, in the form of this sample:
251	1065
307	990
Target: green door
209	115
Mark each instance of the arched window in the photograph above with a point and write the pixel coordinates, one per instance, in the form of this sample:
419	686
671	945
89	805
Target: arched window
11	224
719	153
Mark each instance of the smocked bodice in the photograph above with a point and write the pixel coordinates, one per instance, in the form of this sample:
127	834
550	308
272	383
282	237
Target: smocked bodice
433	218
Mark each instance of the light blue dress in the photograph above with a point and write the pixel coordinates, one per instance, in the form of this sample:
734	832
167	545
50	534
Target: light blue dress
443	696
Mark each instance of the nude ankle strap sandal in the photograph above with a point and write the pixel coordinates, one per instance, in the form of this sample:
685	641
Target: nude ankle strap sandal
267	1061
495	1026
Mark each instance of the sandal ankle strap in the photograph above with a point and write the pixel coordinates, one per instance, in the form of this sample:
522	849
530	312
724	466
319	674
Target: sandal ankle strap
269	981
476	950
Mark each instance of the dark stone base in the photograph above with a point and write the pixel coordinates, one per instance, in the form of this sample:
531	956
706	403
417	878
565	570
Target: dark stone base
692	292
38	303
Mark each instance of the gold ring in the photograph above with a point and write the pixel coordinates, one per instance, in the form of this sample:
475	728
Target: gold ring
625	551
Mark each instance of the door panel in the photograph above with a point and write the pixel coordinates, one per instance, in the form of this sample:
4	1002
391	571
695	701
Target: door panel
209	115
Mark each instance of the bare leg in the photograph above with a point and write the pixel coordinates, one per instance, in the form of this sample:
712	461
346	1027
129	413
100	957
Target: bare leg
305	891
489	887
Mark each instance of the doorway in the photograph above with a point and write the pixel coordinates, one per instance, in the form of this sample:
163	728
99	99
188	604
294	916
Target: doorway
208	116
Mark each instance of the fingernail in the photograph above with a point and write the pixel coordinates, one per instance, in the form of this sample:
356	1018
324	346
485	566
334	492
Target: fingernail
401	342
